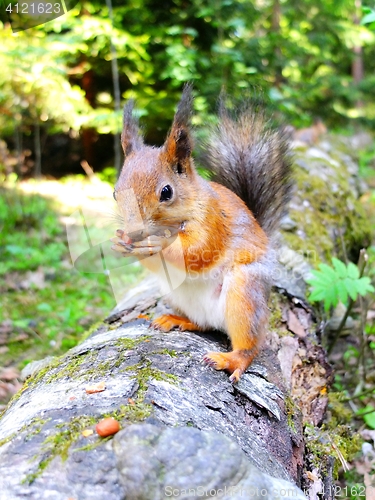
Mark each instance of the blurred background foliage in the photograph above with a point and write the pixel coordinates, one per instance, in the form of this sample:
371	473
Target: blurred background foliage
309	58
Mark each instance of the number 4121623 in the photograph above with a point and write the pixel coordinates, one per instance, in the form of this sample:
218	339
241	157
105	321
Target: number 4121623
34	8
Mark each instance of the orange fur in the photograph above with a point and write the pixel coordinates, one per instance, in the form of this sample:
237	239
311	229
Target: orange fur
207	239
245	341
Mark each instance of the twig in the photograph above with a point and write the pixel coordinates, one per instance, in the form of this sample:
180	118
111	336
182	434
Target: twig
88	170
344	463
362	363
362	261
356	396
116	89
343	246
365	413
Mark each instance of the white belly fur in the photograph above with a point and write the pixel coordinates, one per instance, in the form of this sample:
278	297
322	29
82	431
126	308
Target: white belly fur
201	299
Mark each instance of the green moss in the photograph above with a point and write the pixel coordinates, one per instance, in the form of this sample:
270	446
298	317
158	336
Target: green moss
93	444
82	366
134	412
275	305
58	444
127	343
340	442
145	371
33	427
340	413
327	211
169	352
291	410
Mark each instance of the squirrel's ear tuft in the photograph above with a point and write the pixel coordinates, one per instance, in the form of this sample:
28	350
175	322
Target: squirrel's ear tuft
131	137
179	144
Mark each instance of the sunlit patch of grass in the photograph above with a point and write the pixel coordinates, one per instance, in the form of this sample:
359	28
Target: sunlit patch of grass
46	304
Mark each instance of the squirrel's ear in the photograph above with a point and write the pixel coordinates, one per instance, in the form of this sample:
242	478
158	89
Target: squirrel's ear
131	138
179	144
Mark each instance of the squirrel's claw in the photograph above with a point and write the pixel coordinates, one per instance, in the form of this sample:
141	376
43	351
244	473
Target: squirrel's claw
208	361
145	248
235	377
216	360
123	236
121	249
120	246
235	362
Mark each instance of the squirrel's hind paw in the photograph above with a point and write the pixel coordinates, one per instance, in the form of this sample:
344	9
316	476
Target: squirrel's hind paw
234	362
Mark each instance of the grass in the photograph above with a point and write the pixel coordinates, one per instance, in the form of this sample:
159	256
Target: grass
46	303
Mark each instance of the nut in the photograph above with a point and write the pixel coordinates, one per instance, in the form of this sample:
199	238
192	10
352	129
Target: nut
92	389
107	427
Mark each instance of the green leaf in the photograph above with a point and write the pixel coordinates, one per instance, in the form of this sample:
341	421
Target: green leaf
364	286
351	289
319	278
44	307
317	295
342	292
368	19
331	298
340	268
328	271
353	271
369	418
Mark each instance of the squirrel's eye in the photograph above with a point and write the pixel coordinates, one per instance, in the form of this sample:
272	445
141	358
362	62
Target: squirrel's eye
114	195
166	193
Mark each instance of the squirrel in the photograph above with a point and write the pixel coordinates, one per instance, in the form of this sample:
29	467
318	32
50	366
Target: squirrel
225	227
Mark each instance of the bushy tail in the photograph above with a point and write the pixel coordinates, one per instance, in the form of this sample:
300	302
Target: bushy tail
251	158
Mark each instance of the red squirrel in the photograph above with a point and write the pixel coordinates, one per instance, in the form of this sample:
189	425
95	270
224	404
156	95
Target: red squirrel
225	228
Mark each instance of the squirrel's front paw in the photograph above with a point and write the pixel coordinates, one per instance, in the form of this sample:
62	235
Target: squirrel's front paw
126	246
122	243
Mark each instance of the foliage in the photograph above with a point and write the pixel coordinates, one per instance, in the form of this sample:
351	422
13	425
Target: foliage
30	233
338	283
298	53
46	304
368	414
369	17
31	87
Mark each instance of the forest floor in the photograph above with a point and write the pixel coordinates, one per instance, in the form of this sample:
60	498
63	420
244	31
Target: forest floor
47	302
